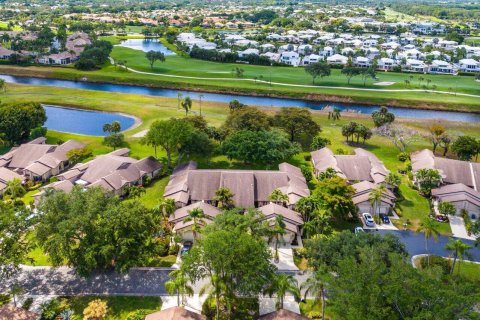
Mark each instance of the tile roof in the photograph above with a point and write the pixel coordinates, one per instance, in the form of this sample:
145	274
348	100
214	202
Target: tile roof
175	313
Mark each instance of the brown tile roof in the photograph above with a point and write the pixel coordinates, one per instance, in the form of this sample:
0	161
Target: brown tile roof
248	186
181	213
282	314
10	312
272	209
452	171
175	313
363	190
363	166
457	192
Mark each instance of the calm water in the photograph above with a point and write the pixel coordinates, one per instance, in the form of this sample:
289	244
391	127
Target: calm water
251	100
82	121
146	45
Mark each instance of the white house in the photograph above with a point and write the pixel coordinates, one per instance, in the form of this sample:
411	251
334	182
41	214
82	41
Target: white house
361	62
337	59
249	51
290	58
267	47
386	64
443	67
326	52
414	65
469	65
305	49
5	53
272	56
287	48
313	58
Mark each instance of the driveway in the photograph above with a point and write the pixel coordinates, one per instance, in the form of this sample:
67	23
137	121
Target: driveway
458	228
285	257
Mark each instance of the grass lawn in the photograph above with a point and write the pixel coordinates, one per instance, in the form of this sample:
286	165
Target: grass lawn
148	108
36	254
218	77
164	262
468	270
119	307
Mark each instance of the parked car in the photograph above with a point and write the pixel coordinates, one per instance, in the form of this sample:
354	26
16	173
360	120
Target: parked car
187	245
368	219
358	230
385	218
441	218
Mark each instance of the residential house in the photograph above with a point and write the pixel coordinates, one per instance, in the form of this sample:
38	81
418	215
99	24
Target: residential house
313	58
361	198
6	176
413	65
114	172
361	62
337	59
290	58
282	314
441	67
386	64
251	188
362	166
246	52
38	161
5	53
469	65
460	180
10	312
184	228
175	313
326	52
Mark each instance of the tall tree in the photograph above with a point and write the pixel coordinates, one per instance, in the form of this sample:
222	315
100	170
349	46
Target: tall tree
170	135
179	285
349	72
459	249
153	56
278	196
427	179
277	233
15	188
224	197
281	285
375	198
382	117
14	247
315	286
296	121
18	120
246	118
91	230
429	227
166	207
334	114
436	132
197	216
187	105
466	147
319	69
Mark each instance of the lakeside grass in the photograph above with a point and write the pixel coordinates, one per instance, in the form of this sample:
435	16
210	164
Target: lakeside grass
413	206
220	78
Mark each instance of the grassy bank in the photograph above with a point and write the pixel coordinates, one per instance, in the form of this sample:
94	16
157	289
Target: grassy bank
412	206
218	77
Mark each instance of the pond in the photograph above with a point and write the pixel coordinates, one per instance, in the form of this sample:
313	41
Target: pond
83	122
250	100
146	45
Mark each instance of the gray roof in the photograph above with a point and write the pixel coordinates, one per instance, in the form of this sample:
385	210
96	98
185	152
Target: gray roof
452	171
363	166
111	171
187	183
363	190
35	156
272	209
210	211
457	192
7	175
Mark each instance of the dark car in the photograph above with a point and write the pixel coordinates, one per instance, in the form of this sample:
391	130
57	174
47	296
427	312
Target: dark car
441	218
385	218
187	245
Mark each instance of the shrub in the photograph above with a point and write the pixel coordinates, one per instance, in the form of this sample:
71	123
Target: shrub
50	310
436	261
403	156
340	151
173	250
307	172
147	180
4	299
467	221
96	310
163	246
137	314
308	158
27	303
314	315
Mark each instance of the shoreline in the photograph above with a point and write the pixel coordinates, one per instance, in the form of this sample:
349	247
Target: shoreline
308	97
136	120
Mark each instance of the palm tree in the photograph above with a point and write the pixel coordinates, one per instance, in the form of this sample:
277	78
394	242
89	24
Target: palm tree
217	289
224	197
375	197
187	105
459	251
315	285
334	114
196	215
430	229
166	207
280	286
3	86
278	196
178	284
15	189
276	234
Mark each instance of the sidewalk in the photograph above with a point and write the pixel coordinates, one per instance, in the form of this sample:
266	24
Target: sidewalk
458	228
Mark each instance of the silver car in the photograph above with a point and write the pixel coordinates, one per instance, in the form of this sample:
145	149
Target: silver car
368	219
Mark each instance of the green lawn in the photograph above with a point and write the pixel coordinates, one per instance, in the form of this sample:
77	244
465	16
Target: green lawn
219	77
468	270
148	109
119	307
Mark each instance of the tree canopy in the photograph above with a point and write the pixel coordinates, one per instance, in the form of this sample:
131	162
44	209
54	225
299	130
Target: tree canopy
18	120
93	231
296	122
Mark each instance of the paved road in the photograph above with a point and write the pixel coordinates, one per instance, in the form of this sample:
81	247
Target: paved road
64	281
150	281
